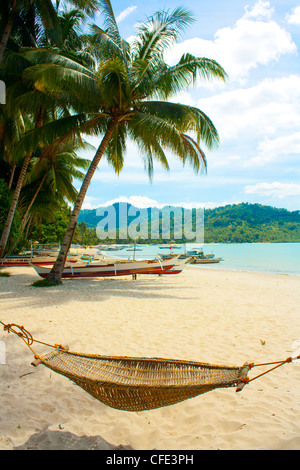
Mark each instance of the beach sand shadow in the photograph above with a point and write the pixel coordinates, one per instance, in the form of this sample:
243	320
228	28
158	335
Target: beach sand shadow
100	289
61	440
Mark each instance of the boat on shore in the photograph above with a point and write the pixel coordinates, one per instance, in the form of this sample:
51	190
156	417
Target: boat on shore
112	269
178	267
196	257
195	260
28	259
25	260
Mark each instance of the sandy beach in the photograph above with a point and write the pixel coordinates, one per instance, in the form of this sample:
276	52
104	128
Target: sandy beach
203	314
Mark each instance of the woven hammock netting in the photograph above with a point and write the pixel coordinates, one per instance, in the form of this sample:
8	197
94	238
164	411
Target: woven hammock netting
136	384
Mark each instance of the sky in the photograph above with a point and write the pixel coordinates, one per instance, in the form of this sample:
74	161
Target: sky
256	111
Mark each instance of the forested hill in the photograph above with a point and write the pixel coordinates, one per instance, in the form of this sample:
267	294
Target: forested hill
237	223
246	223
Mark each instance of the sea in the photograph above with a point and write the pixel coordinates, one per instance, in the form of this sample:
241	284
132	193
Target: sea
281	258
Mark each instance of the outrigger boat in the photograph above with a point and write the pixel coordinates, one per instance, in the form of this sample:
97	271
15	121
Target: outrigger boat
28	260
178	267
111	269
25	260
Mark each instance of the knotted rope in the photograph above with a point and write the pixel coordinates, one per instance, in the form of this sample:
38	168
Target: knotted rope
27	337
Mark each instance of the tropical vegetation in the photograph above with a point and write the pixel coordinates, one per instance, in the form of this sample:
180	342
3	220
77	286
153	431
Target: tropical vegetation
236	223
64	84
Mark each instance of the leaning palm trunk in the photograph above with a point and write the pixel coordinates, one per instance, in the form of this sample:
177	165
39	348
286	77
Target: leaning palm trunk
17	191
11	177
7	32
56	272
13	205
26	214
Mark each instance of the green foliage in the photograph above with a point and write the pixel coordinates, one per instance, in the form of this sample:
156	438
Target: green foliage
238	223
43	283
251	223
5	199
52	231
85	235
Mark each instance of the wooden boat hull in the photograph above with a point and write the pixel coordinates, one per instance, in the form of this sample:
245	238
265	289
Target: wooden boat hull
205	260
178	267
111	269
26	260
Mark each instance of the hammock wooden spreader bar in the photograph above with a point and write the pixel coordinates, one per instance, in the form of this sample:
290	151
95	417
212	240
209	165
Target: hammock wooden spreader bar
137	384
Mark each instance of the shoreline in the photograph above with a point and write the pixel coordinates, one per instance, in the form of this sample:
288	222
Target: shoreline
276	273
208	315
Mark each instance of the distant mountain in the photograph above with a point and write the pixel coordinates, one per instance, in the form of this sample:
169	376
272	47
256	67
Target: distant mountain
237	223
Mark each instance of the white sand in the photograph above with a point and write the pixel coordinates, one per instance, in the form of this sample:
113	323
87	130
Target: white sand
203	314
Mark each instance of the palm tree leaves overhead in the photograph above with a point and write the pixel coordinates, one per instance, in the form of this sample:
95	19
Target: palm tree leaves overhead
160	32
185	73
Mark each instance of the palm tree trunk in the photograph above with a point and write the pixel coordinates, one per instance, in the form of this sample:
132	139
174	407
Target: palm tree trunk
56	272
11	176
15	198
26	214
13	205
7	31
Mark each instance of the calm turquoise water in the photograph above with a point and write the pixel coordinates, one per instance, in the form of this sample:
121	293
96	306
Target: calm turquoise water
260	257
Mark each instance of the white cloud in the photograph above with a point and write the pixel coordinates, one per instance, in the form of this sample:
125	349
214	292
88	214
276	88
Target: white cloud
90	202
276	189
294	16
143	202
254	40
258	112
125	13
261	9
279	148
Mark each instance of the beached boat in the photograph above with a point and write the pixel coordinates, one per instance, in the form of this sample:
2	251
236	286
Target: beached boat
178	267
195	260
25	260
110	269
169	247
196	257
199	257
113	248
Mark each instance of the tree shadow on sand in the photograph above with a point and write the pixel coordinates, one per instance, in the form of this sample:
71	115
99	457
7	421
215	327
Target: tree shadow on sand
61	440
99	289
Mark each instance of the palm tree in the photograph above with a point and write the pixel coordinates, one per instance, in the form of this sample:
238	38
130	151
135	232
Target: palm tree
127	97
54	171
17	191
23	22
26	108
24	19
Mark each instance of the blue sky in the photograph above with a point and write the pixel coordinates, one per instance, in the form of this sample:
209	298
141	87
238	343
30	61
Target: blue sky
256	112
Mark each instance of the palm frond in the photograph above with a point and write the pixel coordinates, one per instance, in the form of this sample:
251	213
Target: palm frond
159	32
184	117
171	80
169	135
104	46
116	148
110	23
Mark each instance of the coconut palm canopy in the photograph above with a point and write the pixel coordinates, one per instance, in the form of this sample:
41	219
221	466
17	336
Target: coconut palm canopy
125	93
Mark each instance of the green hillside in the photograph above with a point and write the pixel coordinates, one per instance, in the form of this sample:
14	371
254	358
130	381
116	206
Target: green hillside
238	223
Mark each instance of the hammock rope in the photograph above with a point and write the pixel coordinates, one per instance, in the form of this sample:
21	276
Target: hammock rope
136	384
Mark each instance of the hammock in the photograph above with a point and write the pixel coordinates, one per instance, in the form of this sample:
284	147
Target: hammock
137	384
